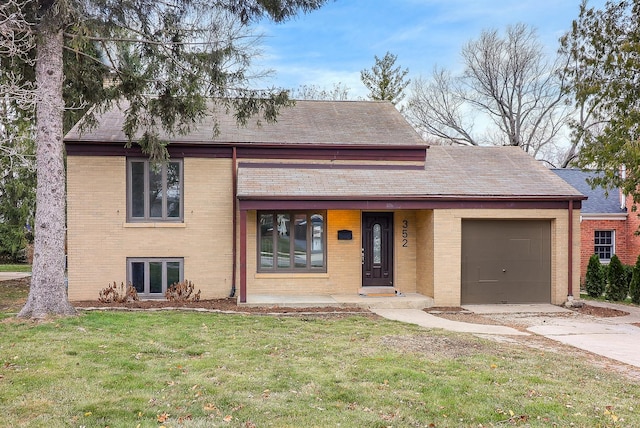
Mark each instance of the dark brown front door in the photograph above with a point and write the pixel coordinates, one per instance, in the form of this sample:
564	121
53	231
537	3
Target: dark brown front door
377	249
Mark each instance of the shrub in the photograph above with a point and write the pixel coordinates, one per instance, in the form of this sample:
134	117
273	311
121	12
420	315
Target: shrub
617	287
634	287
628	273
118	293
594	280
182	292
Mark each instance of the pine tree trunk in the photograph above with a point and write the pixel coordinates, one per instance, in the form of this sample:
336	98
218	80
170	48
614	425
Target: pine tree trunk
48	293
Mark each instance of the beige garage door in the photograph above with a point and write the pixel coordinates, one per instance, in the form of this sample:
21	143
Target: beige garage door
506	261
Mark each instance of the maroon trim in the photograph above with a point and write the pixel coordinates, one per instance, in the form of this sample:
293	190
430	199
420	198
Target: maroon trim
243	257
398	204
248	165
570	249
329	152
234	245
119	149
257	151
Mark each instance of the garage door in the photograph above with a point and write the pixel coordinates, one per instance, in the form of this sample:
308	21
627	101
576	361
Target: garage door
506	261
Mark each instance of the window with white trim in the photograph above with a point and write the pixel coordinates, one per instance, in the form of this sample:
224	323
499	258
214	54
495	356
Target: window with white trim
152	276
291	241
154	192
604	244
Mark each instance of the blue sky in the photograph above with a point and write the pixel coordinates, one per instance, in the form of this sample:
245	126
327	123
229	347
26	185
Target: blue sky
334	43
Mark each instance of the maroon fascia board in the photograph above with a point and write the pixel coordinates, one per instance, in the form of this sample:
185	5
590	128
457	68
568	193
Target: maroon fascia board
258	151
282	165
415	203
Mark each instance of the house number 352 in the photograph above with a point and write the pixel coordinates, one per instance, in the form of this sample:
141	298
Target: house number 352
405	233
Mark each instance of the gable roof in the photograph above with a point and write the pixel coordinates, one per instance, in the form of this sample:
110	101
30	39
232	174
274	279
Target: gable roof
599	202
361	123
498	173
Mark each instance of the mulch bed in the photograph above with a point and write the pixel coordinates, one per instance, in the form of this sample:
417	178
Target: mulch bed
598	311
222	305
230	305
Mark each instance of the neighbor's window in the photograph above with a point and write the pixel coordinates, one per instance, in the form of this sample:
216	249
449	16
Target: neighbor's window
154	192
152	276
291	241
604	244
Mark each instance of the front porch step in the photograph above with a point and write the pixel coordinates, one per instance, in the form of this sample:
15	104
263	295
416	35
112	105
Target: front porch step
401	301
379	292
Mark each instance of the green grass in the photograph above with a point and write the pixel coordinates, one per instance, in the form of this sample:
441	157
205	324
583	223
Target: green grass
184	369
15	268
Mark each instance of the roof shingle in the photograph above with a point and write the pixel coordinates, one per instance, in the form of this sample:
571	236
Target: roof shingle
457	172
360	123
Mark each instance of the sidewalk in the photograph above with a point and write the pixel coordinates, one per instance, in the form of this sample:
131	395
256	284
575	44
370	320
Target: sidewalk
6	276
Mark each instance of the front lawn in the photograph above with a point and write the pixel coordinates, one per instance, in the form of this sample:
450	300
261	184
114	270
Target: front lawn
15	268
187	369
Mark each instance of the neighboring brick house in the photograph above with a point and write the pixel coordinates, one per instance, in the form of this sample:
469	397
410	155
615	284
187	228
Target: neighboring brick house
607	222
331	199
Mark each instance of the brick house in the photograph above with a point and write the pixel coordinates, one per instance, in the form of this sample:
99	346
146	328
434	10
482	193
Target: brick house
607	223
334	198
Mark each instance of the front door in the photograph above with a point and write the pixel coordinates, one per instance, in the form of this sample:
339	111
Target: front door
377	249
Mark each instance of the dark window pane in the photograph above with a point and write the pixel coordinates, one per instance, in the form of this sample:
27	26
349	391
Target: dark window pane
137	189
155	277
284	241
173	273
603	244
266	240
137	276
155	192
377	244
300	243
173	190
291	241
317	240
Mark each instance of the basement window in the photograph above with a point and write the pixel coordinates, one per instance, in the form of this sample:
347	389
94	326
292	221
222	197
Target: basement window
152	276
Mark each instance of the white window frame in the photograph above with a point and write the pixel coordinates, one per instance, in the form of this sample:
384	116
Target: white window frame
147	277
612	245
147	215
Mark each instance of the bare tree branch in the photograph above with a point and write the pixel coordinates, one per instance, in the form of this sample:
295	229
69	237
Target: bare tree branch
508	87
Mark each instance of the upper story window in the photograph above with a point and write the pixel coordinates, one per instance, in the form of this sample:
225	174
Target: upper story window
604	244
291	241
154	192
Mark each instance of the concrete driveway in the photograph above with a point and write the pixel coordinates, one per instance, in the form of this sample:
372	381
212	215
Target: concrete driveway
616	337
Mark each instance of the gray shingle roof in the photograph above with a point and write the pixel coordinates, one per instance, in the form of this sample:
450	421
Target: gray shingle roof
360	122
598	202
457	172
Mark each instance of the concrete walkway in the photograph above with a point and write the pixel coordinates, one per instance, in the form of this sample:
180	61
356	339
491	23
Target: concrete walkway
6	276
423	319
613	337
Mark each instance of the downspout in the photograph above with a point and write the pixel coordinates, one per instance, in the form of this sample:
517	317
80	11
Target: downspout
234	185
570	252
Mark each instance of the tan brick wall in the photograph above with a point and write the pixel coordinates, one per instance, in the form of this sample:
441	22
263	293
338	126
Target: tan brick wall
344	270
100	240
424	253
405	246
447	237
